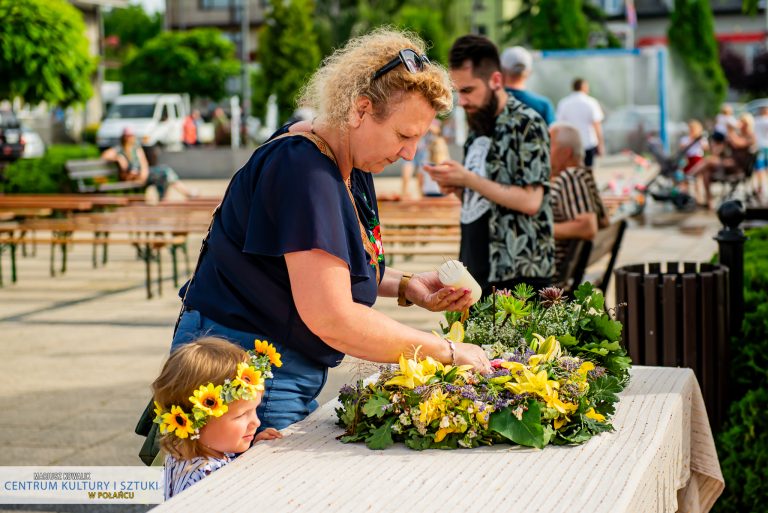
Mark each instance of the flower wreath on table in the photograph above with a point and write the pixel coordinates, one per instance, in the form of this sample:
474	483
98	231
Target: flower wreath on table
558	368
212	400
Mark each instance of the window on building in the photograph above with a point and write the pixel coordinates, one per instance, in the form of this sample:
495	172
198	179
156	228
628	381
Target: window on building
217	4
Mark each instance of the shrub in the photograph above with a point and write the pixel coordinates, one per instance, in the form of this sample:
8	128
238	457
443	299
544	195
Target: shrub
743	450
45	174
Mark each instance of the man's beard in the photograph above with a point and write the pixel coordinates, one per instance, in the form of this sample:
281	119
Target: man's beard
483	120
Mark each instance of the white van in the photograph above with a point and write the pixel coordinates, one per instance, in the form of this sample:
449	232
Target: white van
156	119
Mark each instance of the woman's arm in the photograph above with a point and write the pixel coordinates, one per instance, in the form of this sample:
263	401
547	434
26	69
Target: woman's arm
321	289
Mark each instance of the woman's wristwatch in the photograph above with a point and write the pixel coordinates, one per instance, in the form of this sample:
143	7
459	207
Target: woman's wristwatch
401	299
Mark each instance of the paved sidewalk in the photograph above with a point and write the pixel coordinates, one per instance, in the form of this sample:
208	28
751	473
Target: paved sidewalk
80	350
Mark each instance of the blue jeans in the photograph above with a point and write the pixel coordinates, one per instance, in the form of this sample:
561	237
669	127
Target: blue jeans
290	395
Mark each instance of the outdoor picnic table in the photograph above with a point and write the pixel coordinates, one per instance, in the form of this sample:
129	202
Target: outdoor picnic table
660	458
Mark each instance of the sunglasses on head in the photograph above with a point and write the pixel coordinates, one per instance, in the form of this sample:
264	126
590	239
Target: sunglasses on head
412	61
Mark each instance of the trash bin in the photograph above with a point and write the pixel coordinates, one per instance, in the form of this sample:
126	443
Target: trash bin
677	315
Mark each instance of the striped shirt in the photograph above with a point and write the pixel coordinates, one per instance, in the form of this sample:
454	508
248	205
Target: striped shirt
574	192
181	474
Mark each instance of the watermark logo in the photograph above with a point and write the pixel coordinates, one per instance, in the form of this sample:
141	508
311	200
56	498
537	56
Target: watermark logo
81	485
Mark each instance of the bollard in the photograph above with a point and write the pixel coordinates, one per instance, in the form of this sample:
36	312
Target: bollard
730	241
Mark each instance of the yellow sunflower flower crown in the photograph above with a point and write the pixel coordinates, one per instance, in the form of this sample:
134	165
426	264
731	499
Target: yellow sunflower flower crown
212	401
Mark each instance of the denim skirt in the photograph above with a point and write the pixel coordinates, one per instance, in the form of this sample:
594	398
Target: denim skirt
290	395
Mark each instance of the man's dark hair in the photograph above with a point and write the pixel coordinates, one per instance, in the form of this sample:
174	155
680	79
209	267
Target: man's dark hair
480	51
578	83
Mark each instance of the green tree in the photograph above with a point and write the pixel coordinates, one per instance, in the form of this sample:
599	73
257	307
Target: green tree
197	62
132	25
428	23
44	52
559	24
693	47
288	52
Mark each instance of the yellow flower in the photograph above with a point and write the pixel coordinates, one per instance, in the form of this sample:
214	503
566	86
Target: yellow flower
249	378
457	332
264	347
158	409
433	408
585	368
412	373
549	347
208	399
560	421
592	414
177	422
531	383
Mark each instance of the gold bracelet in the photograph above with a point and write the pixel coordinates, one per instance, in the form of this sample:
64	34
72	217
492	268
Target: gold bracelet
401	299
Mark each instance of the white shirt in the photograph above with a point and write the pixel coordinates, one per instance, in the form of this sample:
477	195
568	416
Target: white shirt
696	150
761	131
582	111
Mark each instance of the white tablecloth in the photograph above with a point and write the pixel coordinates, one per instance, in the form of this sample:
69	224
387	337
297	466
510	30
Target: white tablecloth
661	458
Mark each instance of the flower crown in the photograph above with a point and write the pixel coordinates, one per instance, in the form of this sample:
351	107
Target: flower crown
211	401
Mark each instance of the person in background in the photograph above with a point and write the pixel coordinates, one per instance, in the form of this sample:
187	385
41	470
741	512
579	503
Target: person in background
760	181
697	145
517	66
506	217
222	135
190	129
437	150
734	155
577	208
585	113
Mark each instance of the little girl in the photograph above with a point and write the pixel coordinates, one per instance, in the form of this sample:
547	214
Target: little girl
205	403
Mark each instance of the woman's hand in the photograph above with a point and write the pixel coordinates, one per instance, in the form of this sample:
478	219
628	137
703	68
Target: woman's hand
470	354
426	290
269	434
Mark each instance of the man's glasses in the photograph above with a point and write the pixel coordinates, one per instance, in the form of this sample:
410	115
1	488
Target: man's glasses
412	61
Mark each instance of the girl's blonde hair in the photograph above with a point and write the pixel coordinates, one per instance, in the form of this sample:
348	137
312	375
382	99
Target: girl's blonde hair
695	126
207	360
748	120
347	75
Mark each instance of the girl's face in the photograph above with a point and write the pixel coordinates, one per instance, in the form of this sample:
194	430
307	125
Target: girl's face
233	431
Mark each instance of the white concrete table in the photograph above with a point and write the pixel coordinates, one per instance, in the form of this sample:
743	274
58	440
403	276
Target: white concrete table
660	457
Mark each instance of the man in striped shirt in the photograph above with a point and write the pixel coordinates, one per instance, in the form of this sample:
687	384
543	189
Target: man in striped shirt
577	208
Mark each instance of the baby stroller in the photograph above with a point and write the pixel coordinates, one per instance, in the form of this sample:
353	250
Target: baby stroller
665	185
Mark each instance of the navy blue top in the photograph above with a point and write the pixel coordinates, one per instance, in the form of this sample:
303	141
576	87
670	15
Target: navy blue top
288	197
537	102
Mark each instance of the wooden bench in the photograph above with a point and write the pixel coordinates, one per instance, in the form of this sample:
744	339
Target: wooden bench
98	175
586	253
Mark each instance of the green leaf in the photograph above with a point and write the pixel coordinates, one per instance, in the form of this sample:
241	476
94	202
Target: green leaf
584	291
568	340
418	443
526	431
381	437
375	406
608	327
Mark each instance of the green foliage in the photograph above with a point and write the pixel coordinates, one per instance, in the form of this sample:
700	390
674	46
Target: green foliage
45	174
526	430
44	54
559	24
743	442
428	23
743	450
132	25
749	7
197	62
289	51
692	42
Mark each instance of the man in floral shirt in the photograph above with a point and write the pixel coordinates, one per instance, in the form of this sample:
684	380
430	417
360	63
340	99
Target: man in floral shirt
506	217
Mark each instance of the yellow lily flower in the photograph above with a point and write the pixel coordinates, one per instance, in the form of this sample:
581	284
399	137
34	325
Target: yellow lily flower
549	347
560	422
433	408
457	332
592	414
514	367
412	373
585	368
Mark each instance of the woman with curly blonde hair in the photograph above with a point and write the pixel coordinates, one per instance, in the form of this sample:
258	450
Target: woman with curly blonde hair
294	254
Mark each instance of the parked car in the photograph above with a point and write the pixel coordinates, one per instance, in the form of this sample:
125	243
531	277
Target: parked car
156	119
11	140
34	146
629	127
